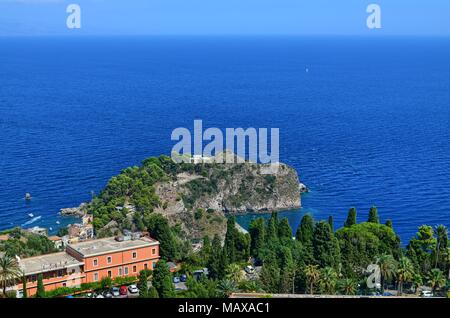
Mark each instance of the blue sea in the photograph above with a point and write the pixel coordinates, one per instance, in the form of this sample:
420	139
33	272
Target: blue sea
365	121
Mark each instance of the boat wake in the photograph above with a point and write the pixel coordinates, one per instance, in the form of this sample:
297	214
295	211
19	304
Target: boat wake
32	221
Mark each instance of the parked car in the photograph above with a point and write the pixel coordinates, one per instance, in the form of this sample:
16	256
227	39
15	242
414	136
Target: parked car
183	278
249	269
123	290
176	280
427	293
107	294
99	296
133	289
115	291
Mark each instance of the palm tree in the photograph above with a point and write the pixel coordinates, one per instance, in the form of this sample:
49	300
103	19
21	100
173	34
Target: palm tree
312	274
234	273
448	262
416	282
348	286
441	240
328	279
405	273
226	287
436	279
9	272
387	265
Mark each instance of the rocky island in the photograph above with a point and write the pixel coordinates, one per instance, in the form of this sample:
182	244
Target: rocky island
194	197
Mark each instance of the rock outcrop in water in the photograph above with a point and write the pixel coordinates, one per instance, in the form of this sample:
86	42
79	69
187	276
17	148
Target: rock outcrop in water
196	197
76	212
226	189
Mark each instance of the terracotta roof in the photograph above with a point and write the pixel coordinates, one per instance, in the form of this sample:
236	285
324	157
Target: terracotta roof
54	238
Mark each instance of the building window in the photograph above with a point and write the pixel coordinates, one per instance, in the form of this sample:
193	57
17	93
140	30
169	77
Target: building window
95	277
134	255
145	266
110	274
33	278
125	270
59	273
109	260
95	262
120	271
153	265
134	269
64	284
153	251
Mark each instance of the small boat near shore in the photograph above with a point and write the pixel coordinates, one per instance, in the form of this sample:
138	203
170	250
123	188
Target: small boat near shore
27	197
31	215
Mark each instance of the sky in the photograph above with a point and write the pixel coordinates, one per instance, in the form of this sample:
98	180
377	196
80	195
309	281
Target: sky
225	17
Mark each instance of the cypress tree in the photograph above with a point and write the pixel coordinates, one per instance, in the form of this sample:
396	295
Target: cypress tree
304	235
286	262
24	288
142	284
152	293
160	230
325	246
331	223
234	242
373	215
389	224
272	227
162	280
270	275
284	230
206	251
40	293
305	230
218	261
351	218
257	235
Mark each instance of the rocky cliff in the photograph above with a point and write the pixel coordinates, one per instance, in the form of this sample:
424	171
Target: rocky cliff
199	201
194	197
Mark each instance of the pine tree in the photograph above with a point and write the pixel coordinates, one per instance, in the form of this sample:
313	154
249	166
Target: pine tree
40	293
351	218
373	215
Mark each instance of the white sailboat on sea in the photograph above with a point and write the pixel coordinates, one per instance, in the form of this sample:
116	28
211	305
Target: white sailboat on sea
31	215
